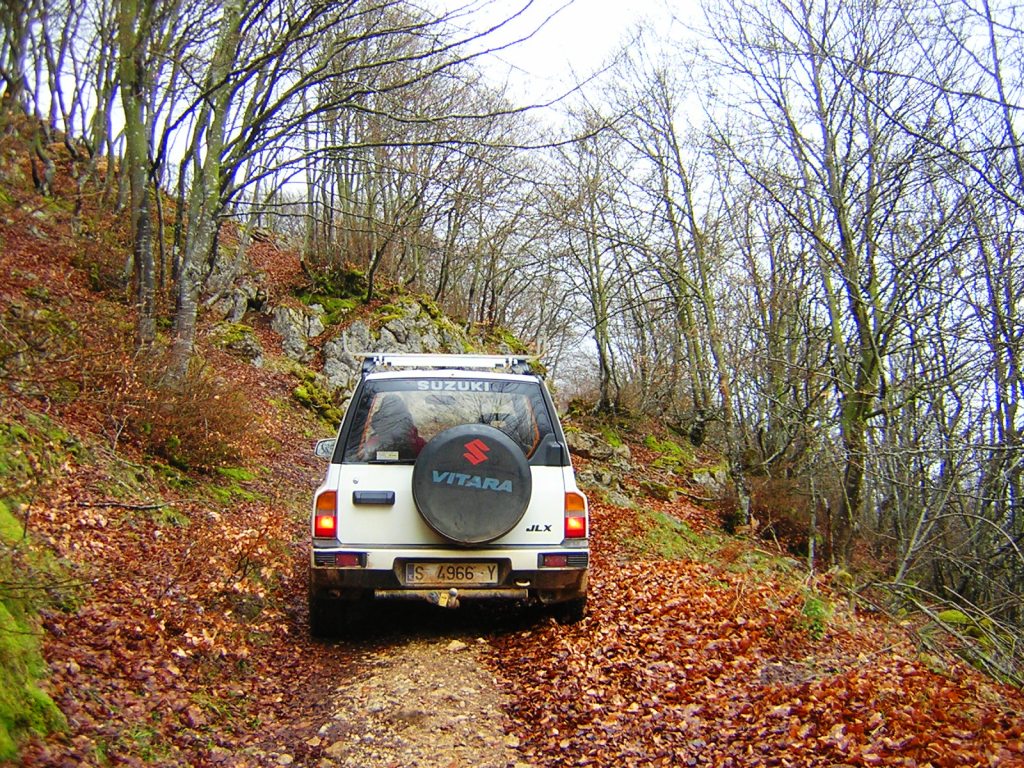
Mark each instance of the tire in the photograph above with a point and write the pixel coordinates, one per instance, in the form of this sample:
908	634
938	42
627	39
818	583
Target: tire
472	484
327	618
571	612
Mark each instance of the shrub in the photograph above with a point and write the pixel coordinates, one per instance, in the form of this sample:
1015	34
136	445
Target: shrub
199	423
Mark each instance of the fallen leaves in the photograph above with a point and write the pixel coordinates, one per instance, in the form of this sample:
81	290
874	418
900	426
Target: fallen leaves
685	663
188	644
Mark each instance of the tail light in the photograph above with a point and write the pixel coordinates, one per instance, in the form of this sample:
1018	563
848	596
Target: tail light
575	516
325	518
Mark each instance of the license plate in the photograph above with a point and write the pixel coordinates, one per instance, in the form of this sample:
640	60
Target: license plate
450	574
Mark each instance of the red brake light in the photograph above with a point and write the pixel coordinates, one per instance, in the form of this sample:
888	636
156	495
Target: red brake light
325	526
575	516
575	527
325	522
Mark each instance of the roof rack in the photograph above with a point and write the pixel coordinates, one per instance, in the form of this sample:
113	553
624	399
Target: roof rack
375	361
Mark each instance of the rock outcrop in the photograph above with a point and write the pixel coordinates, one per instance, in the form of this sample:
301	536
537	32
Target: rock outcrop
409	329
296	325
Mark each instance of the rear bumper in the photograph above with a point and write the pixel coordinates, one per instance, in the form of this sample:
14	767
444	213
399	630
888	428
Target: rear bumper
381	574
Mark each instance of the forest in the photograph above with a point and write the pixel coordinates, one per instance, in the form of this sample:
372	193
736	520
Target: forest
792	232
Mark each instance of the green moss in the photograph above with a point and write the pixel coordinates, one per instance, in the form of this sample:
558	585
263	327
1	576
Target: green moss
979	629
339	291
669	448
227	494
223	495
673	457
11	530
238	474
667	538
430	307
168	516
31	577
815	615
234	490
24	708
31	451
341	282
335	309
38	574
500	340
954	617
173	476
227	334
611	437
314	396
37	292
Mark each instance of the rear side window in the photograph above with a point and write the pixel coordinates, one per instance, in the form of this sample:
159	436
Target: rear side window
394	419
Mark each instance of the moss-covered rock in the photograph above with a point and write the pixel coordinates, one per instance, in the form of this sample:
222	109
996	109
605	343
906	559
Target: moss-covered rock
966	625
240	340
24	707
313	393
338	292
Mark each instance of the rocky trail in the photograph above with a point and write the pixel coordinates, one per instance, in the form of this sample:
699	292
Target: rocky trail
419	702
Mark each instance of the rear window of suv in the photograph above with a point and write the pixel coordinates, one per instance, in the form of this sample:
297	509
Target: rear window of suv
394	418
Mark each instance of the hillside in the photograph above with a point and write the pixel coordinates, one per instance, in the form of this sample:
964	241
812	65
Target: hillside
153	553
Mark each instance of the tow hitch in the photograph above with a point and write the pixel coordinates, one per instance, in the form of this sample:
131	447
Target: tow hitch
449	599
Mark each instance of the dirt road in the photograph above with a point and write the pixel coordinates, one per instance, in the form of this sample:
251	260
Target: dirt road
416	687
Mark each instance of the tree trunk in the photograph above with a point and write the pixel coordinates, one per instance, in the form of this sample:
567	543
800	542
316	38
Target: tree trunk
131	76
206	198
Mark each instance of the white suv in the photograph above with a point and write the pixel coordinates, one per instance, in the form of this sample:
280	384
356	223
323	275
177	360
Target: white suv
449	480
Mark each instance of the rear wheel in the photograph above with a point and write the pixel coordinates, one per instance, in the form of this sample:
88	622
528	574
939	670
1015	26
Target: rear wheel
327	617
334	616
572	611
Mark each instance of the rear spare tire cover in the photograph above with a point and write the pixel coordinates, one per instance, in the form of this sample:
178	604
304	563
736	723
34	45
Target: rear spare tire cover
472	483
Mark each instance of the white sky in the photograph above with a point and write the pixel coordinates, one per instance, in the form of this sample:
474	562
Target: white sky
576	41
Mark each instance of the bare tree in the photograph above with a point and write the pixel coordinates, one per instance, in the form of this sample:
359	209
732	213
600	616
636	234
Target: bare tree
816	78
591	254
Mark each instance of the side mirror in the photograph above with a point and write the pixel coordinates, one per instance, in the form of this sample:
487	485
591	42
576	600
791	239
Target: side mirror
325	449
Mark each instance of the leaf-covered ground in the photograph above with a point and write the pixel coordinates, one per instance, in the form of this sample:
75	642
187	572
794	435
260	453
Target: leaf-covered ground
189	646
722	663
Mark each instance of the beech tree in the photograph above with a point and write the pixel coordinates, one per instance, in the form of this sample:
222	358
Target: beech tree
274	70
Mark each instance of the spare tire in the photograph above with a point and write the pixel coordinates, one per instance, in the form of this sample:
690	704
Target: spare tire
472	484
